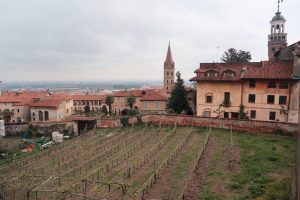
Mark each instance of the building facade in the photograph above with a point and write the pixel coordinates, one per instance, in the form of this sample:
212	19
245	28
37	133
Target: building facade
264	91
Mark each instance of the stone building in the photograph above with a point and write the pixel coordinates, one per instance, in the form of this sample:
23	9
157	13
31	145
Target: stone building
18	103
53	108
265	91
95	102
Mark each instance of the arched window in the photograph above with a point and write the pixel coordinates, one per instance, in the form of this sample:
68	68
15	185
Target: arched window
211	73
228	73
33	116
207	113
41	116
46	115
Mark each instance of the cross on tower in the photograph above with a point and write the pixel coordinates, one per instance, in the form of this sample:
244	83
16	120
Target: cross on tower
279	4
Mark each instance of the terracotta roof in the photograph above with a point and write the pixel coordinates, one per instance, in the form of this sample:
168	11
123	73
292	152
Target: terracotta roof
128	93
21	98
271	70
47	103
258	70
155	95
88	97
51	101
206	70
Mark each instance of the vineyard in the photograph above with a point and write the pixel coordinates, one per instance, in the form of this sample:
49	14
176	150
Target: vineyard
127	163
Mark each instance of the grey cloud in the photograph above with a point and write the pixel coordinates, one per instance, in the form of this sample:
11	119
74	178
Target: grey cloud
127	39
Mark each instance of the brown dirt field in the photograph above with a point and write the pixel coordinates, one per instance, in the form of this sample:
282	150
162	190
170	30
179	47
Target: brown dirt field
163	189
194	186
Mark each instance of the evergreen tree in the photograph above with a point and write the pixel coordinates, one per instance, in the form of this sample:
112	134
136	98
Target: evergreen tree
178	100
131	101
234	56
109	101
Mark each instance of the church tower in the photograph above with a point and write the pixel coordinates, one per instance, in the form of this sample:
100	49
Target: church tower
169	68
278	37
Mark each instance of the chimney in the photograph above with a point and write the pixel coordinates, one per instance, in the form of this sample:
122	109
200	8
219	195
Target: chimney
296	69
0	88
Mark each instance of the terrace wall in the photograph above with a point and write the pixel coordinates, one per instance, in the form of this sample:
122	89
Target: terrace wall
184	120
15	128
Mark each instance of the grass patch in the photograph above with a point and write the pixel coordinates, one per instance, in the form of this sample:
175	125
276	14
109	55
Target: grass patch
265	163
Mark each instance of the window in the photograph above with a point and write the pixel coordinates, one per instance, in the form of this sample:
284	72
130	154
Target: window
283	85
145	104
211	73
271	84
226	98
209	98
282	100
207	113
271	99
41	116
46	115
226	115
122	99
272	116
228	74
251	98
252	83
115	99
18	110
252	114
157	104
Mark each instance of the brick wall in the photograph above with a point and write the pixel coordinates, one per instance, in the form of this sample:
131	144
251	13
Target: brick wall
15	128
239	125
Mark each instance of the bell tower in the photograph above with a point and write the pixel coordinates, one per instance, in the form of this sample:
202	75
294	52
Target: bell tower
169	68
278	38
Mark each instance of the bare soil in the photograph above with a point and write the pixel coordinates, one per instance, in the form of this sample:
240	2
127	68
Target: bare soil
194	186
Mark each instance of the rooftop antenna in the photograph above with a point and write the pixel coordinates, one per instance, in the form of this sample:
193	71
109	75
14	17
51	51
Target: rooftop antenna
279	5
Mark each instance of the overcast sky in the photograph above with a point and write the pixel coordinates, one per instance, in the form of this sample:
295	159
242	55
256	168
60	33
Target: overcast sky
127	39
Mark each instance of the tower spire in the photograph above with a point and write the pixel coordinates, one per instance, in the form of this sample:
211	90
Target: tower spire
169	59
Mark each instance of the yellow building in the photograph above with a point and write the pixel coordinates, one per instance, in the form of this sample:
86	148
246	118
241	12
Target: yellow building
258	90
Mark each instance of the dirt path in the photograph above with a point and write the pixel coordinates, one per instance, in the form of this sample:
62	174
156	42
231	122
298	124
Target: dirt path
174	178
194	186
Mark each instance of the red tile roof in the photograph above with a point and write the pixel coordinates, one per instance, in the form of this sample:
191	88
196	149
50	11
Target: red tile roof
88	97
154	95
21	98
51	101
47	103
257	70
271	70
128	93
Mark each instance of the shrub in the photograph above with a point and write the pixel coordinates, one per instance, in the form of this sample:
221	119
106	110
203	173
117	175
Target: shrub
125	121
139	120
124	112
256	189
273	158
132	112
104	110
